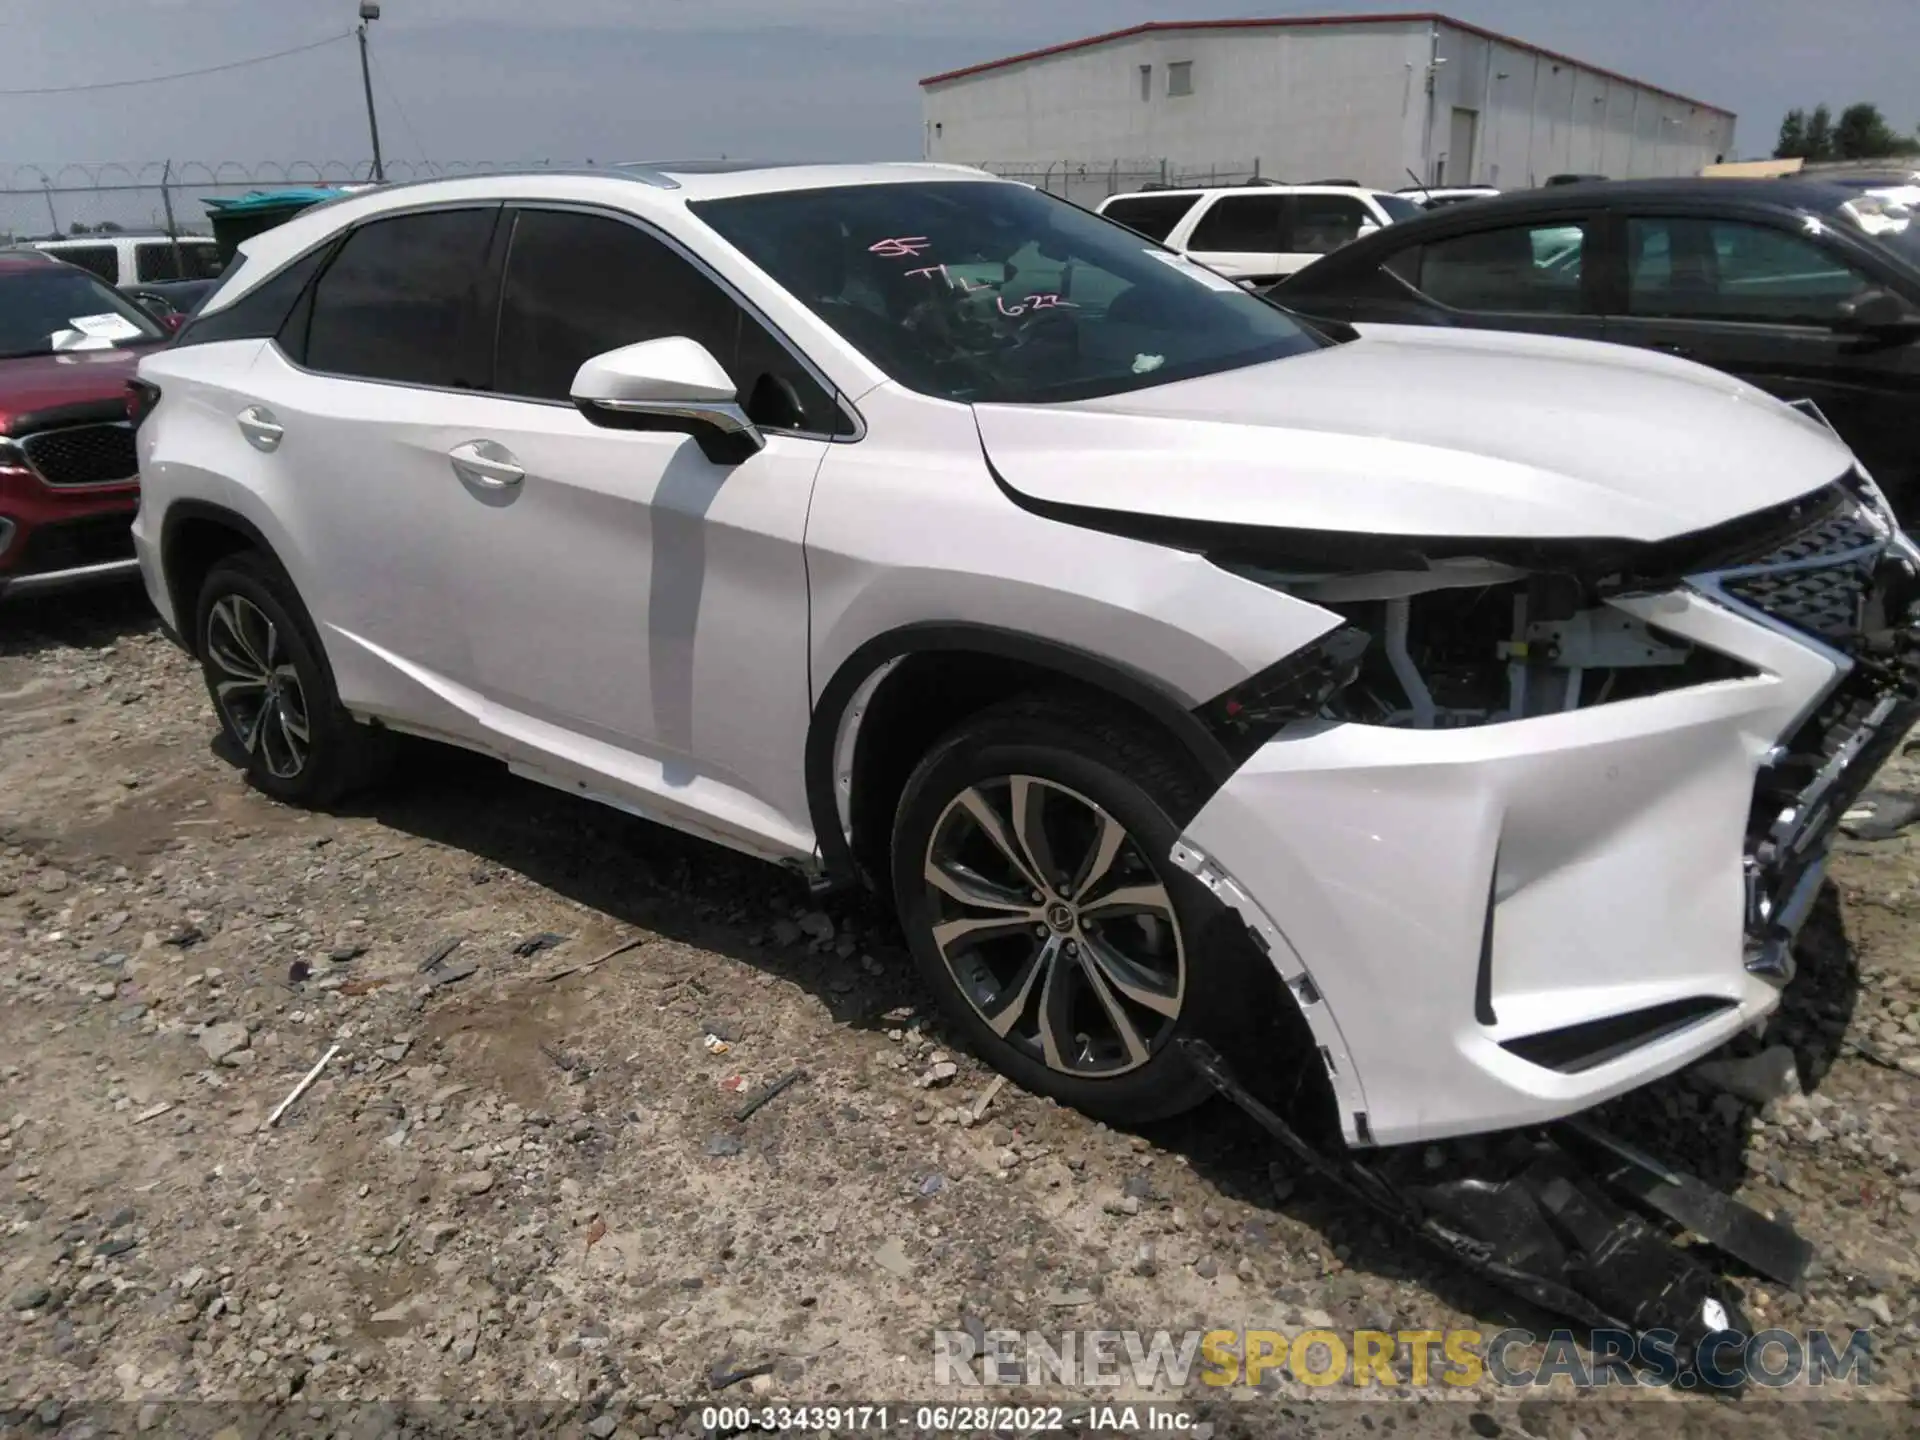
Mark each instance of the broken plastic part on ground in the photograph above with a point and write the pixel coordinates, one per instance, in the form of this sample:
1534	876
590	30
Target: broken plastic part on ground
1552	1232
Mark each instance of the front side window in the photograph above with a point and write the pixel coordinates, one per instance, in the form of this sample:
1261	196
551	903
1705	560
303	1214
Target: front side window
1153	216
405	300
979	291
53	308
1243	223
1699	269
1517	269
580	285
1323	223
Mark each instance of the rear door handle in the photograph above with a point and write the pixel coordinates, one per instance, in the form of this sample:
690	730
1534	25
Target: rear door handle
486	463
263	432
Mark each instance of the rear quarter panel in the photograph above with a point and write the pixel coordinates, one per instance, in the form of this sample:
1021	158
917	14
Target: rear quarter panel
191	449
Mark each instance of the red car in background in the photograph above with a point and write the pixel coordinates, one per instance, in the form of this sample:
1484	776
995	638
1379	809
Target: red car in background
69	482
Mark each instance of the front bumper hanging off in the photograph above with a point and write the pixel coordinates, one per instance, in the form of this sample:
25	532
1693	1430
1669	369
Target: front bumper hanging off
1449	896
1501	925
1558	1231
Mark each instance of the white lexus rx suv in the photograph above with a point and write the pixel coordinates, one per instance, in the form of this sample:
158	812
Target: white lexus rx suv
1489	699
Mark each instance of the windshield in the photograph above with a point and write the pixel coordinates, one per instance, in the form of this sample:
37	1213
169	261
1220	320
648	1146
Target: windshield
1904	242
980	291
1398	207
49	308
1893	226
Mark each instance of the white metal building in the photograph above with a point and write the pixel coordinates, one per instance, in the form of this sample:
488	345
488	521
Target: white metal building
1372	98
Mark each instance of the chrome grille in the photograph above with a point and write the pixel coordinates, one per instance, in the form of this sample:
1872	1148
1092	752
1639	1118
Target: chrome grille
1817	581
83	454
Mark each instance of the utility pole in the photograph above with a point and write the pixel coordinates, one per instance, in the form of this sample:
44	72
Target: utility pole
173	234
1426	137
370	10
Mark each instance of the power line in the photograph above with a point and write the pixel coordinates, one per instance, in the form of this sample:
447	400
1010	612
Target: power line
182	74
394	95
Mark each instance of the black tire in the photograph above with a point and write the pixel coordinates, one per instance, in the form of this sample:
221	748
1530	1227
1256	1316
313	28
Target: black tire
338	754
1078	747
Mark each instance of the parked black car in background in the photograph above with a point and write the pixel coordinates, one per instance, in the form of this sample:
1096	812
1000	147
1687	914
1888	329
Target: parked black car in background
169	301
1771	280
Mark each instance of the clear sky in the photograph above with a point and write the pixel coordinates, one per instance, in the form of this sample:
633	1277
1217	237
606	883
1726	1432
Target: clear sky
571	80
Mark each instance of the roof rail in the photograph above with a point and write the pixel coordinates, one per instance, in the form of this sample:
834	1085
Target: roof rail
660	173
639	173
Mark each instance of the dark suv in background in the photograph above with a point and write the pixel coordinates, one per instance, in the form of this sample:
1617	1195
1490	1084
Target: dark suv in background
69	482
1775	281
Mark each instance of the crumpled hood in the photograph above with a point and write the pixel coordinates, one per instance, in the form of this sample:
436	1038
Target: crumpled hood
1428	432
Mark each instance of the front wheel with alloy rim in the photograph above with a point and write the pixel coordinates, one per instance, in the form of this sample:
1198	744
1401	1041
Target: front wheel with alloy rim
271	688
1032	874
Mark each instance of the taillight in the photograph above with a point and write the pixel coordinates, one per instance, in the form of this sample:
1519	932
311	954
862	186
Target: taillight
142	396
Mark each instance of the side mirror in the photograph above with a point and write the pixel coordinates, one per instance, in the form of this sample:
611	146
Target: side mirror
1877	312
671	384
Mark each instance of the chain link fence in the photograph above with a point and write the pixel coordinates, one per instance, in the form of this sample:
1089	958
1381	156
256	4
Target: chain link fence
1088	182
37	201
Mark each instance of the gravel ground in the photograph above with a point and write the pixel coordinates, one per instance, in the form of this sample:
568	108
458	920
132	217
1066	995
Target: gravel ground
512	1184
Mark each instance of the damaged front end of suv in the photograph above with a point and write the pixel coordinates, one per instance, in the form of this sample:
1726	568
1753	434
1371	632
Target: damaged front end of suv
1539	915
1532	823
1814	599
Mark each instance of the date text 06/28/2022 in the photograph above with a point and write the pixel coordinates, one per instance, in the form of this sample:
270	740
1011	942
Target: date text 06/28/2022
949	1419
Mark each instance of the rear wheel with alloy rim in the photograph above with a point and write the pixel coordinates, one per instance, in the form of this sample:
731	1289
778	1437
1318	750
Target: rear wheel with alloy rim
271	688
1031	874
261	700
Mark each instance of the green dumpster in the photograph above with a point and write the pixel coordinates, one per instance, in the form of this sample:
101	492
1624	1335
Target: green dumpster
238	218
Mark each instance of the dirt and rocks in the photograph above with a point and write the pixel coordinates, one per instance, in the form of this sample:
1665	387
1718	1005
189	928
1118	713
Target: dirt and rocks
521	1175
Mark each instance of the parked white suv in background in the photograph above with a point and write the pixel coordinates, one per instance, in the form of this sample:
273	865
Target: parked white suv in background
138	259
1489	699
1258	234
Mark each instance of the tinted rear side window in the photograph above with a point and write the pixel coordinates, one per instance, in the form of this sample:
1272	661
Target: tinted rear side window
579	285
405	300
1518	269
1243	222
262	310
102	260
1153	216
194	260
